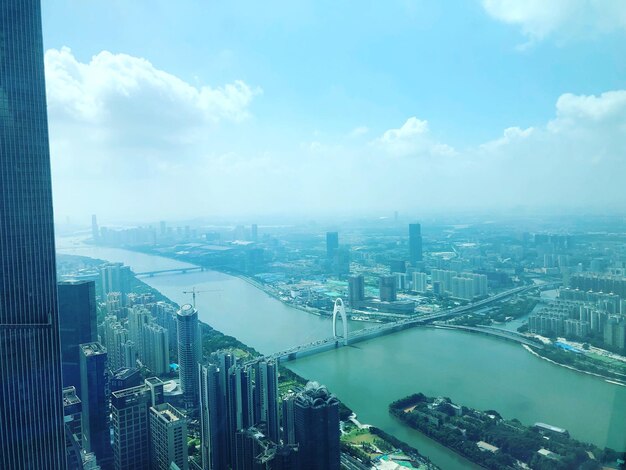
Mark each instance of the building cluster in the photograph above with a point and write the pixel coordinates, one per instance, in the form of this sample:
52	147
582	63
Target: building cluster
460	285
593	307
240	419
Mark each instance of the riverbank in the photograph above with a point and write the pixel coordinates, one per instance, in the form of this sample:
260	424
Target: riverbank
611	380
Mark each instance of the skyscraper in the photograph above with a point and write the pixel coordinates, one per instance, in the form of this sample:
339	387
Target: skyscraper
415	243
93	374
168	437
213	418
130	423
387	288
31	403
188	354
332	244
77	319
356	290
316	421
266	399
95	232
115	277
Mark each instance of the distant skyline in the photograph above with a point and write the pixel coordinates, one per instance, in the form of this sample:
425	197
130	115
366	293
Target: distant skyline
195	109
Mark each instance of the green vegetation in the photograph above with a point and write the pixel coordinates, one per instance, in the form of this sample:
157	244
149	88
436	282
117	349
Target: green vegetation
368	444
492	442
589	362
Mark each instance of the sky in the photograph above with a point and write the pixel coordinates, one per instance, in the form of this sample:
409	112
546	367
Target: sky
198	108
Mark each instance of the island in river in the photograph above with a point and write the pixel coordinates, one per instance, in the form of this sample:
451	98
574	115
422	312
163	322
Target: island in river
490	441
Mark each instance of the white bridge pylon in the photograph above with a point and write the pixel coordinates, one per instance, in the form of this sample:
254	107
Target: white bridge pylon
341	310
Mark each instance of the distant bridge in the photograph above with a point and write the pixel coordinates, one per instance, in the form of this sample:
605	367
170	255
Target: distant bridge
335	342
171	271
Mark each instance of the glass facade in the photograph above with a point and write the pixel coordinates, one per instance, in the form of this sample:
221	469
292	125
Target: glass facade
31	410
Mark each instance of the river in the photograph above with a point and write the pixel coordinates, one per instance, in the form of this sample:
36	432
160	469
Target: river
474	370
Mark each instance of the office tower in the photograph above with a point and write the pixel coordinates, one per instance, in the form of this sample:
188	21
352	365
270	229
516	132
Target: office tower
332	244
342	261
397	266
415	243
168	436
400	281
356	290
124	378
316	420
419	282
387	288
77	321
31	403
162	228
266	399
213	419
95	231
72	411
156	349
93	377
115	277
130	423
189	348
254	232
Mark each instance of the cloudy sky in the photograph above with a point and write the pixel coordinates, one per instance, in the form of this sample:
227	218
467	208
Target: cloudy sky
196	108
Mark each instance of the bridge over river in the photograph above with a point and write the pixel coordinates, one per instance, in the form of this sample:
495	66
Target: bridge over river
421	320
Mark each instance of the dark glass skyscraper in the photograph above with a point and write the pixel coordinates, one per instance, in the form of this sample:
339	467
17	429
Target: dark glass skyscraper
77	319
31	406
415	243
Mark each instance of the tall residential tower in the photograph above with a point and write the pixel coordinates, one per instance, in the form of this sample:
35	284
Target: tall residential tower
31	403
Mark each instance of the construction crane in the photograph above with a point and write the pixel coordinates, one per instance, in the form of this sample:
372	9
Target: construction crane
193	293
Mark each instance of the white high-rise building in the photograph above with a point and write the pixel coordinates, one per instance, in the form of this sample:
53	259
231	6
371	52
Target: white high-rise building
419	282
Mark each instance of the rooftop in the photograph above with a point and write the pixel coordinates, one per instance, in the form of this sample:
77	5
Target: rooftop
93	349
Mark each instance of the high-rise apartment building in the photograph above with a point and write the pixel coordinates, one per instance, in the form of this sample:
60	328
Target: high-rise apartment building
93	375
266	399
168	438
156	349
213	419
31	403
415	243
189	353
419	282
77	319
115	277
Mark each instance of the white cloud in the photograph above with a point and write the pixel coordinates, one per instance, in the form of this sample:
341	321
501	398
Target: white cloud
122	130
126	99
130	139
412	139
565	19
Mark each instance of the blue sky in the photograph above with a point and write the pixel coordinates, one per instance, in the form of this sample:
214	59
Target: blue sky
324	83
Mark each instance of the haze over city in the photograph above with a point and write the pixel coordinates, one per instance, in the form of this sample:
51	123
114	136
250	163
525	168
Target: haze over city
325	108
